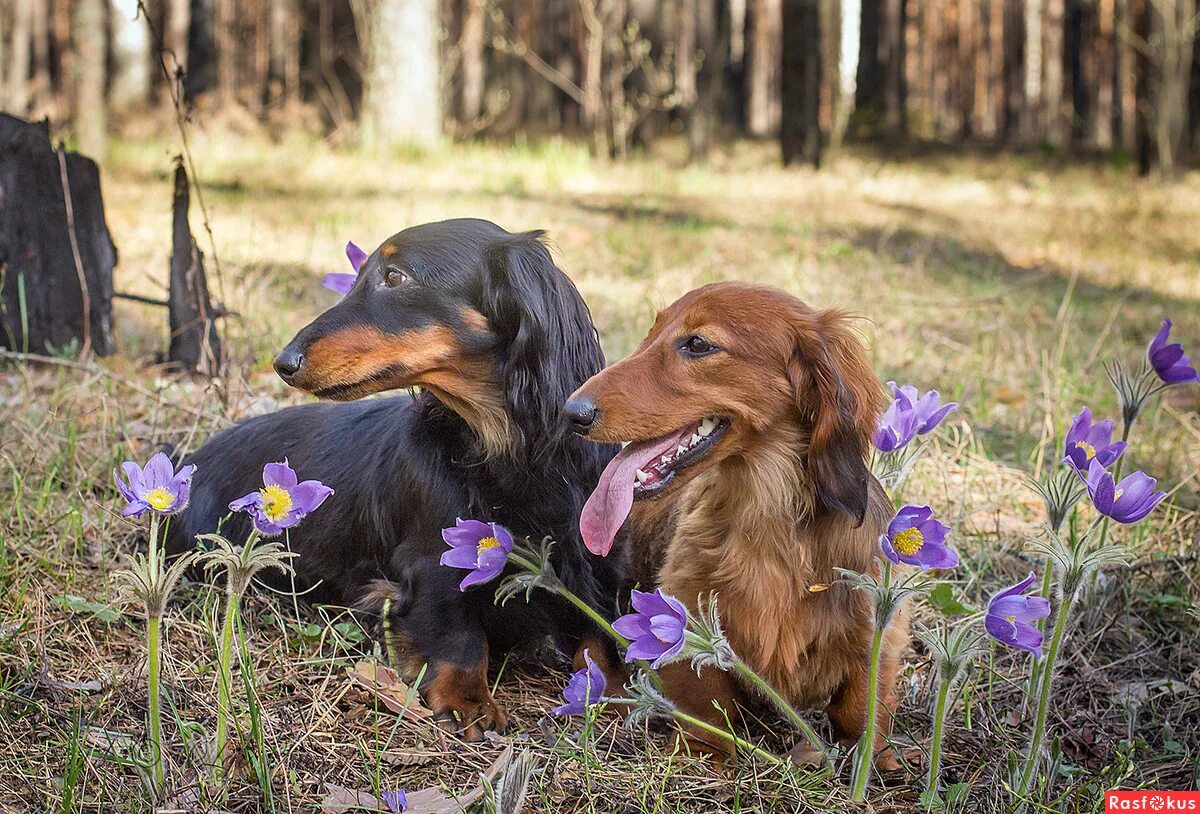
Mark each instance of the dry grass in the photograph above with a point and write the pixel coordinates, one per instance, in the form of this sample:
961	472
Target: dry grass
1005	284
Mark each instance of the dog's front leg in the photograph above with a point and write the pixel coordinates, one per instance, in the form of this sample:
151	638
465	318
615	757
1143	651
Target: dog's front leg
848	709
695	694
432	623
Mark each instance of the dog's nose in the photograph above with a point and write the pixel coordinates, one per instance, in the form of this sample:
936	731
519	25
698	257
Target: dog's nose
288	363
582	412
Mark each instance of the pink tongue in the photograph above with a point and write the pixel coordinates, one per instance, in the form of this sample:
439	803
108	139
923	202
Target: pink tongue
612	499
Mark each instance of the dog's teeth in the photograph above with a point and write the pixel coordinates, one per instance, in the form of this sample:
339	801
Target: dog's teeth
666	459
695	439
642	477
682	449
706	427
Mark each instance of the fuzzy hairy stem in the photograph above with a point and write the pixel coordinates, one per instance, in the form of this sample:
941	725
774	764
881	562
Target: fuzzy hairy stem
153	643
1037	737
933	780
866	745
224	683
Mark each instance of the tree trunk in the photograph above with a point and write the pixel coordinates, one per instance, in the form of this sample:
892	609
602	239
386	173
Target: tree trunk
1102	120
283	73
402	85
55	248
1055	128
17	97
800	125
131	46
867	90
968	20
1143	99
195	344
891	61
471	47
228	47
1015	102
703	117
1127	75
40	94
762	71
685	56
91	111
1032	118
175	41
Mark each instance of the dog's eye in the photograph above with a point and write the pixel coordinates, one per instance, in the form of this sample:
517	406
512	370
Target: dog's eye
698	346
394	277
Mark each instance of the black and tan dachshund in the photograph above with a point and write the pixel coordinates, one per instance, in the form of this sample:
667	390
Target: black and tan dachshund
495	337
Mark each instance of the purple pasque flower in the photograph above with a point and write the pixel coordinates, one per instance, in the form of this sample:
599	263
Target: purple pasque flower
156	488
655	629
915	538
1087	440
341	282
282	502
929	408
395	800
481	547
1010	614
1126	502
584	688
897	425
1169	361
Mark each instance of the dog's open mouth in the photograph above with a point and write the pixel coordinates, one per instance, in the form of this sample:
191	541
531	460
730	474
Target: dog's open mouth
642	469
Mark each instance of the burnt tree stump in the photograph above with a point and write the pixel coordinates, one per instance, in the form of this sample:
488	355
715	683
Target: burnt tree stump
56	254
195	343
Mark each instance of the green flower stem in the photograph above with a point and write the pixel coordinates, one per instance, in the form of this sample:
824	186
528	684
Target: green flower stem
725	735
1039	724
933	781
746	672
866	745
225	682
562	591
153	667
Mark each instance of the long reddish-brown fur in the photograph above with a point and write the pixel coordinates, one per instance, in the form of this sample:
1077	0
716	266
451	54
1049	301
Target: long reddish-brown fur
782	499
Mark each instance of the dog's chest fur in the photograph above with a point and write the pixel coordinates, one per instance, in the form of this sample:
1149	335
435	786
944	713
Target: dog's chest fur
747	531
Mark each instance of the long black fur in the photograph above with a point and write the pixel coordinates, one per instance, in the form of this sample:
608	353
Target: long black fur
405	467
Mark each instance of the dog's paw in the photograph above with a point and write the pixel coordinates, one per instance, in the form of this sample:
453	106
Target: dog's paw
462	703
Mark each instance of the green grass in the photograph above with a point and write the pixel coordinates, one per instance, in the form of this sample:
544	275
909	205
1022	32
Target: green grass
1003	283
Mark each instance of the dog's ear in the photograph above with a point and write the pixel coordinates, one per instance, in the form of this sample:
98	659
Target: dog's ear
548	345
836	389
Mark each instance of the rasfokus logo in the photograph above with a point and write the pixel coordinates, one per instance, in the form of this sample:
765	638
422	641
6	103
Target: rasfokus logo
1152	801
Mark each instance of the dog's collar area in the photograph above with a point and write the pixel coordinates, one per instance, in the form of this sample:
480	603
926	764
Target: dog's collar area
653	477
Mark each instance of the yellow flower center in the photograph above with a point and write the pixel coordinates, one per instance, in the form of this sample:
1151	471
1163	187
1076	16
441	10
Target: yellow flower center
484	544
909	541
1011	619
276	501
1089	451
160	499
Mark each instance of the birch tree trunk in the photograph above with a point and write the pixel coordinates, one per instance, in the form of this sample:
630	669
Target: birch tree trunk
402	83
91	109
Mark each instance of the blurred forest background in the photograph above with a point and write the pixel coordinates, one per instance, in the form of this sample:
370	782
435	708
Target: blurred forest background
1118	77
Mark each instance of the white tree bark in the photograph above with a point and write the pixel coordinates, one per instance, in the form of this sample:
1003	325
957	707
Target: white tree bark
131	50
402	89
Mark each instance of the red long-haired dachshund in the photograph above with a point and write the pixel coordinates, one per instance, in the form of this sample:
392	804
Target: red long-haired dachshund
749	415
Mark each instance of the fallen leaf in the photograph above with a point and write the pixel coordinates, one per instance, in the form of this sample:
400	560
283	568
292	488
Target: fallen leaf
117	744
385	684
432	800
91	685
400	757
339	799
